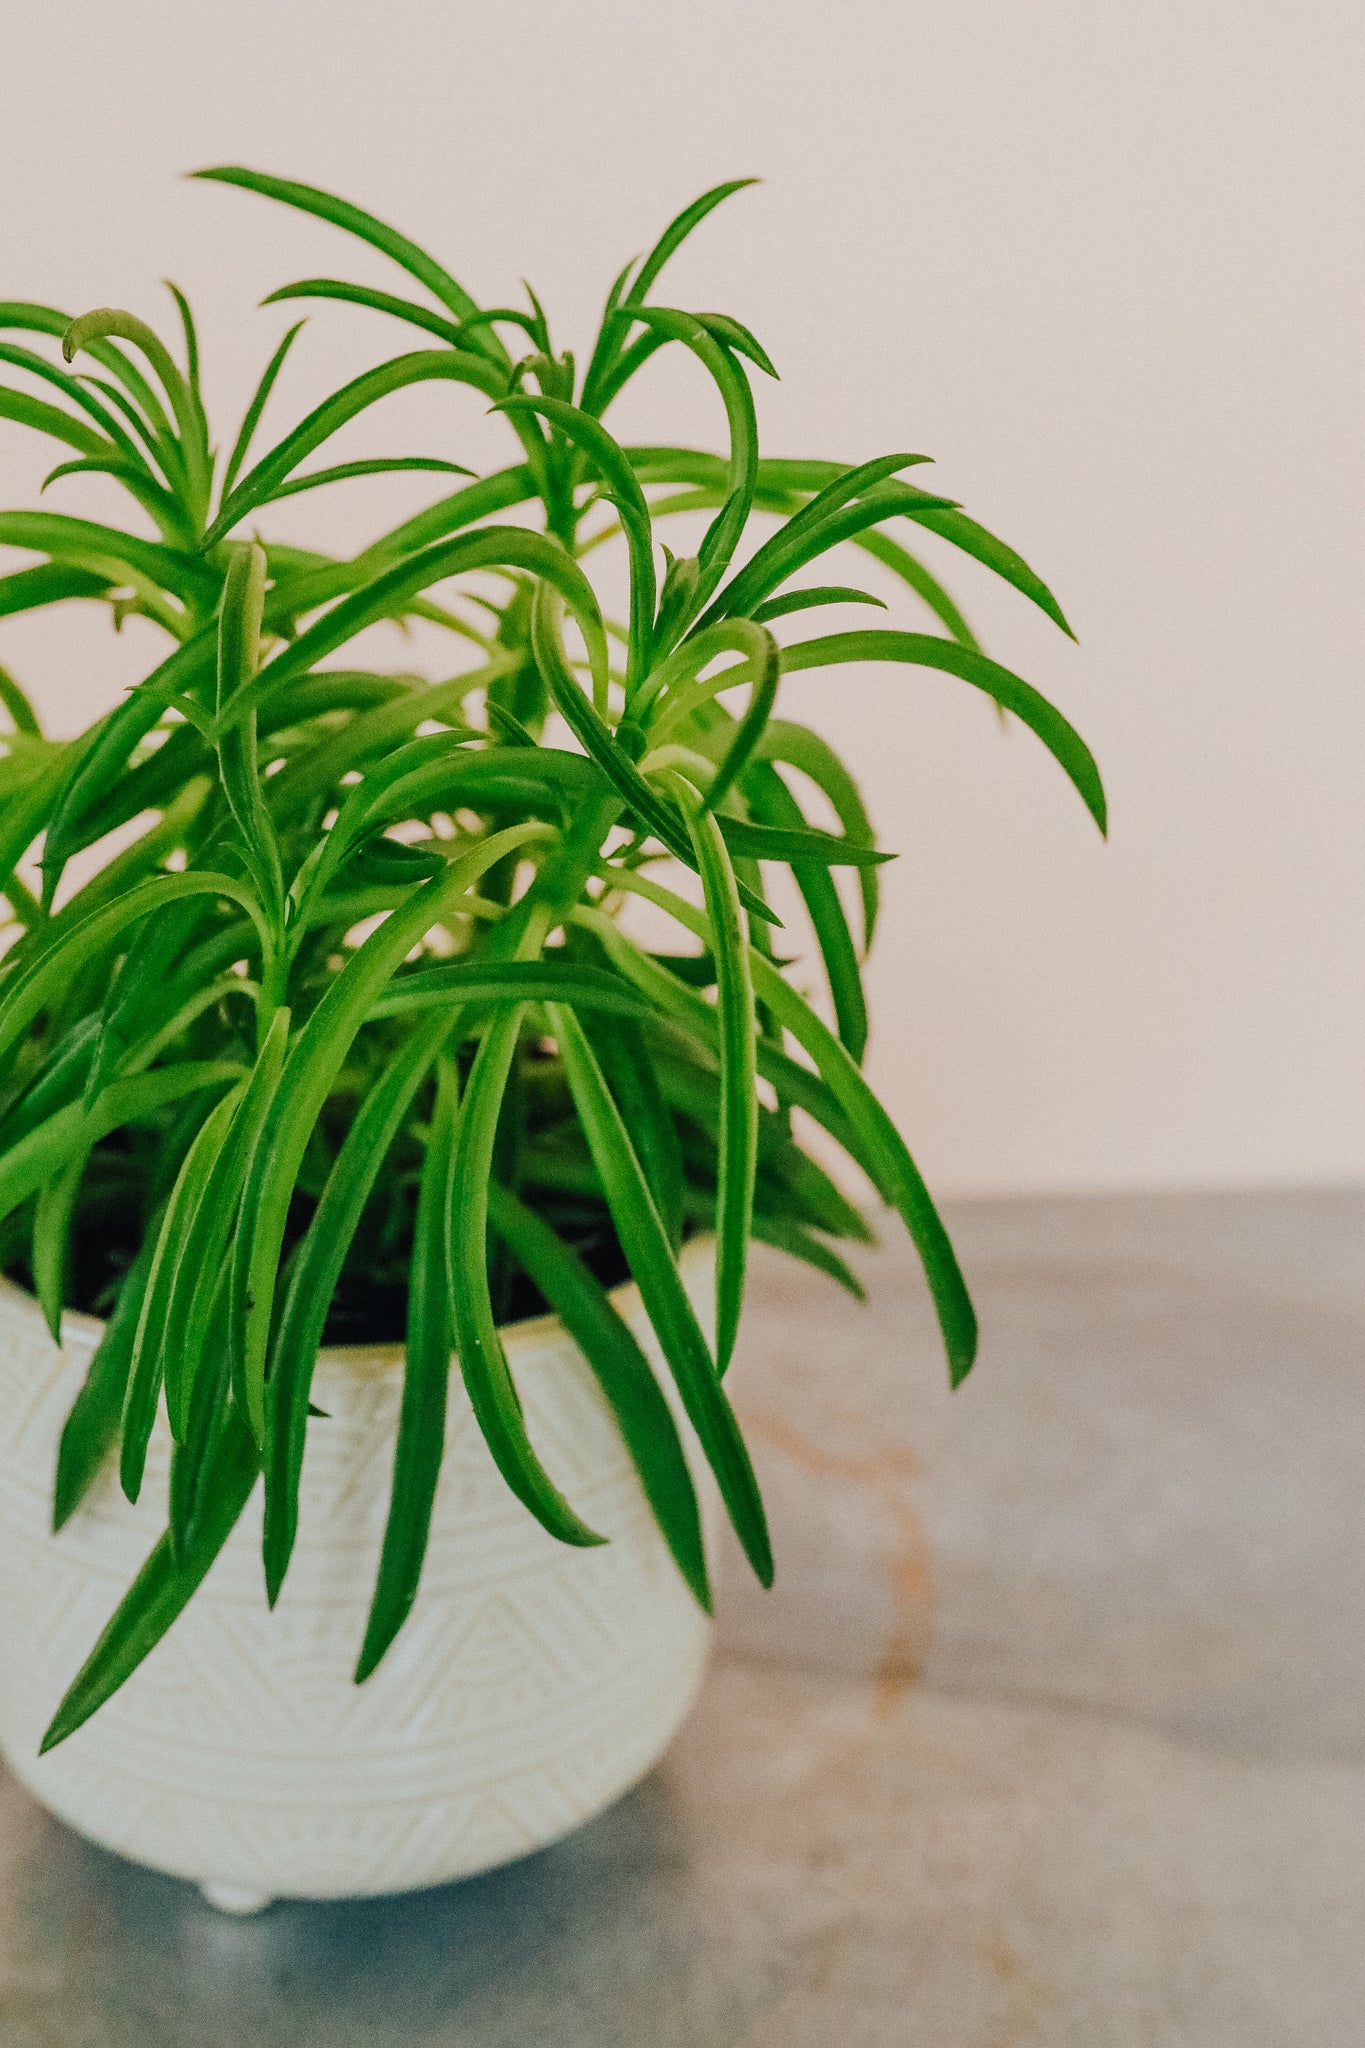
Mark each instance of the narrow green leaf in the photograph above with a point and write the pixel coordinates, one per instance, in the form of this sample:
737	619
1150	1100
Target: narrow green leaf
624	1374
147	1365
51	419
737	1026
772	842
624	1058
806	600
252	417
191	337
677	232
88	545
22	714
725	531
52	1240
163	1587
76	390
98	760
983	547
773	805
92	1427
787	1177
313	1278
897	1172
147	412
751	726
207	1410
175	526
734	334
495	493
926	650
51	970
380	465
420	1449
239	634
105	322
387	594
423	366
815	758
799	1243
193	1322
861	1125
645	1243
354	219
483	1362
801	541
598	388
609	460
911	571
498	981
28	590
380	302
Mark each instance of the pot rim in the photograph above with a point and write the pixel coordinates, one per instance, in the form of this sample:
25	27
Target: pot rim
528	1334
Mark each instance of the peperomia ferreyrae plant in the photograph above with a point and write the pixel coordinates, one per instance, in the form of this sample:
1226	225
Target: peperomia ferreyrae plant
348	1039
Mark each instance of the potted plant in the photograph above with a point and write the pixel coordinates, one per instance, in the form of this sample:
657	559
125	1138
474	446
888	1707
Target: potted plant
350	1060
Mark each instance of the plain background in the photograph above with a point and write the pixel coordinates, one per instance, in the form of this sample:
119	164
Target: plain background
1103	263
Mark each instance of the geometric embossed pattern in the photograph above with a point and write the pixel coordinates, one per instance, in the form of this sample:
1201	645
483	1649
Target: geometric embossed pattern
532	1684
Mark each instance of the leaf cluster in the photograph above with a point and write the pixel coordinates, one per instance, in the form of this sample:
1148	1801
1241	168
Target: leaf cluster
352	1023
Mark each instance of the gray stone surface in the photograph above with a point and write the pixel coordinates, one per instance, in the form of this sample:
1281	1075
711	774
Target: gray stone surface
1054	1732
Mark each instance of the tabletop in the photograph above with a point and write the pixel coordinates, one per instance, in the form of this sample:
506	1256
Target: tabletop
1052	1731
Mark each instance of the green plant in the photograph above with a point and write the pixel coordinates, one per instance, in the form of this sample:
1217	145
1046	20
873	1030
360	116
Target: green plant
364	964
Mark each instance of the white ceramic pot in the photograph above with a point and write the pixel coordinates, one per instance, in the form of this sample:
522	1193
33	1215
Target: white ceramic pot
531	1685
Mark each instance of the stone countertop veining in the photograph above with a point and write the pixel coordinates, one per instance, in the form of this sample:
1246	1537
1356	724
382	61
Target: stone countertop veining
1052	1733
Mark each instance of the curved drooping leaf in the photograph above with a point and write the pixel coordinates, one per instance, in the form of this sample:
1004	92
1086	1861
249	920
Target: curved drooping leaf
869	1134
420	1448
88	544
817	594
608	459
1011	692
646	1246
814	757
313	1277
772	804
737	1027
723	535
483	1363
147	1364
623	1373
164	1586
379	465
356	221
379	302
52	420
91	1429
27	590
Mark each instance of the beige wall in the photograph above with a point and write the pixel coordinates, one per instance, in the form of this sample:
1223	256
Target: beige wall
1105	263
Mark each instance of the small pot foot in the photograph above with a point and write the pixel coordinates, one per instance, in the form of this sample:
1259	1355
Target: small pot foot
241	1900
